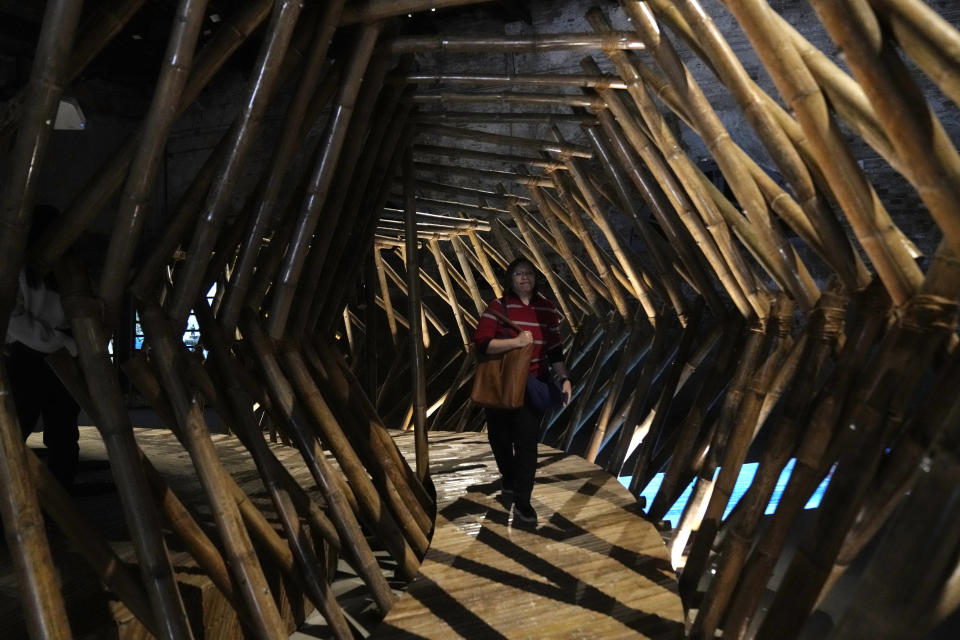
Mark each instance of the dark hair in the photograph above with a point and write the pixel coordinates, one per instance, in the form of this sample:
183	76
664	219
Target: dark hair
508	274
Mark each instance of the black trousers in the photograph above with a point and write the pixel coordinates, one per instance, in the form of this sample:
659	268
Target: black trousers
513	438
37	391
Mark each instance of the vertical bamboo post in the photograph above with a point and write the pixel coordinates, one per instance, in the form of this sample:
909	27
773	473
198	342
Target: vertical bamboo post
320	181
138	188
417	356
385	294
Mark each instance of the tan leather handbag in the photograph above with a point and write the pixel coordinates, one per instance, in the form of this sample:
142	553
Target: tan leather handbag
500	380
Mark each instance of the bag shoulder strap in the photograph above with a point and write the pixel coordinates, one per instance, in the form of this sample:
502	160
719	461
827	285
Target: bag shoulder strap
504	318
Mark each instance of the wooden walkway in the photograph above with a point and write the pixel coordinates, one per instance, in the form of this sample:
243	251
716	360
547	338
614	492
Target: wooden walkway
590	568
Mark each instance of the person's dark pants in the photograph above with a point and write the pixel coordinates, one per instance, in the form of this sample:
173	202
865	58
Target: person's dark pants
38	392
513	437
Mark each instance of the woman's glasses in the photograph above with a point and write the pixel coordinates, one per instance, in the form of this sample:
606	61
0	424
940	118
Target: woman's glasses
529	274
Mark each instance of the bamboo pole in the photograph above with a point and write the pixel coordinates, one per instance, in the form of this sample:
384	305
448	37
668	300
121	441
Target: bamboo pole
916	587
536	43
822	333
507	141
931	160
653	195
350	394
683	462
513	97
460	249
870	221
283	154
566	252
543	265
837	249
311	569
678	197
343	182
729	447
928	39
606	81
637	285
320	182
87	205
368	194
114	426
286	402
708	125
642	470
812	463
920	334
663	272
683	167
451	297
97	28
259	92
483	174
599	263
455	152
242	561
417	356
501	117
138	187
22	521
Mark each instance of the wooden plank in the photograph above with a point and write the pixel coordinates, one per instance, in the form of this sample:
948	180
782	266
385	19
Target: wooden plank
591	567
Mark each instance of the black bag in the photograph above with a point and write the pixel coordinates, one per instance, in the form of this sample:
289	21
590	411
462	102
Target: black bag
543	394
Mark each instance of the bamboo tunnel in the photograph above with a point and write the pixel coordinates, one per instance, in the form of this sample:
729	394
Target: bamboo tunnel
282	222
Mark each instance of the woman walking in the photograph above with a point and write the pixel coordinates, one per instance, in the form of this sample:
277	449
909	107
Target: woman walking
513	433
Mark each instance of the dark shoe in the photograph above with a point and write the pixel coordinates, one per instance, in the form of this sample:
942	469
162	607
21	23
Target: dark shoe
524	512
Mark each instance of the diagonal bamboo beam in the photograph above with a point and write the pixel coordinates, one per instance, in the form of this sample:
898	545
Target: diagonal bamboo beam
138	189
259	92
870	221
320	181
88	204
242	560
283	154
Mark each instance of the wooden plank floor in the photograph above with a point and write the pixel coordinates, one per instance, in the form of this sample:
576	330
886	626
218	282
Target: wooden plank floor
590	568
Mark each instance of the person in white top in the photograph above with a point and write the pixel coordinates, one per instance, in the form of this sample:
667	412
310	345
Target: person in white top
37	328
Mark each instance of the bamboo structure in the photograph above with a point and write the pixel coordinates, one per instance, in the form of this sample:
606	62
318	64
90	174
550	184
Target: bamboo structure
742	278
